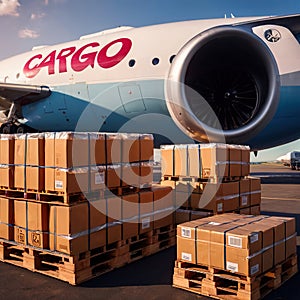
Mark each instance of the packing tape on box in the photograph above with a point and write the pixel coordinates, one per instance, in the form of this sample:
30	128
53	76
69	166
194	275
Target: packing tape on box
128	220
7	224
6	166
229	197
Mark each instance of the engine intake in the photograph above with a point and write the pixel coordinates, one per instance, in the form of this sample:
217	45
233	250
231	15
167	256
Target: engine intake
223	86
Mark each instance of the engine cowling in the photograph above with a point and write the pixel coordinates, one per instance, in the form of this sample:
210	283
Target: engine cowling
223	86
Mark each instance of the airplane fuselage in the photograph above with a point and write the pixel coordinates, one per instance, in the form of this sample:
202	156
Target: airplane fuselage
116	81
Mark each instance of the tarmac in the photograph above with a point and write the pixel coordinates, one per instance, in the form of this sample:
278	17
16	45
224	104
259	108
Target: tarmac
151	277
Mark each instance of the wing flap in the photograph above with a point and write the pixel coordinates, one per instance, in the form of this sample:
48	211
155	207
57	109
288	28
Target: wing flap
21	94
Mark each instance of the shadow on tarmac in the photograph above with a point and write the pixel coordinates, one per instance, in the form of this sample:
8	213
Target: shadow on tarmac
148	271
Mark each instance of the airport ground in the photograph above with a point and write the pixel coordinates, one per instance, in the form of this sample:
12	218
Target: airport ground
151	277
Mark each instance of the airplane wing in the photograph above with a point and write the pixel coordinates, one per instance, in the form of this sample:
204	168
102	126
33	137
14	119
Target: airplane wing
21	94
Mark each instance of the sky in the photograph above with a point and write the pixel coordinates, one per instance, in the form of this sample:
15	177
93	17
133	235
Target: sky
28	23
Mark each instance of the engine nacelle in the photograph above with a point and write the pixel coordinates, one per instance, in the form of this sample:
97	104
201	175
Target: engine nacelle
223	86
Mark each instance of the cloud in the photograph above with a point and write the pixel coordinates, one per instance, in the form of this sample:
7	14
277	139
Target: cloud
28	34
46	2
37	16
9	8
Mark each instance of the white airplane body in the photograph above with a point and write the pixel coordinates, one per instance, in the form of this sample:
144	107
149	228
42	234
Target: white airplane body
234	80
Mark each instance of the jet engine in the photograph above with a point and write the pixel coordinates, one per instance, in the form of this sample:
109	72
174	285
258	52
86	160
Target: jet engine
223	85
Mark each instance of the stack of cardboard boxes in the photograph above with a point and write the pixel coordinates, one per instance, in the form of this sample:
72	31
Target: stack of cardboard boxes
226	251
212	178
112	171
244	255
245	244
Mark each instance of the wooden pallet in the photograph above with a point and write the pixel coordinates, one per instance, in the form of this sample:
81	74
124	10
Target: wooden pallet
126	190
221	284
76	269
211	179
52	196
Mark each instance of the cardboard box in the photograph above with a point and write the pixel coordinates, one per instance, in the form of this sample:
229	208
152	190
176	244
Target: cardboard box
146	217
255	210
235	161
215	160
113	176
219	197
146	174
267	243
130	148
182	216
195	163
6	218
68	230
188	194
32	223
114	219
130	175
30	149
245	211
167	160
146	147
97	146
137	174
98	226
243	246
212	198
163	205
113	148
255	191
130	215
186	236
7	143
245	161
70	149
290	235
244	191
6	176
29	178
183	192
74	181
181	162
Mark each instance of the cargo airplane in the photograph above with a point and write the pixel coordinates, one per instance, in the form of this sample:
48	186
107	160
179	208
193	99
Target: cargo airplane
235	80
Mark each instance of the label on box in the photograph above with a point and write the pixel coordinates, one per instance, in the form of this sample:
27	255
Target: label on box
234	241
244	200
186	256
219	207
186	232
254	238
99	178
146	223
59	184
21	238
36	239
214	223
254	269
232	266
